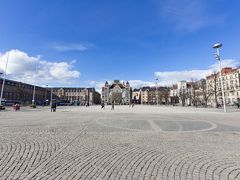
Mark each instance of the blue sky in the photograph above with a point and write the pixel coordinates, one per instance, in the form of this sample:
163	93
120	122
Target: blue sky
88	42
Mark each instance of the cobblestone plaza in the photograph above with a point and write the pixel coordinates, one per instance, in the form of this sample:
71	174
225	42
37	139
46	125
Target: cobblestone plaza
143	142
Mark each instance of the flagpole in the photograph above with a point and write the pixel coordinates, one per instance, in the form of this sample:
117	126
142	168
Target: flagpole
4	78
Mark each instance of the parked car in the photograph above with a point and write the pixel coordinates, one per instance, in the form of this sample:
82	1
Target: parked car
10	102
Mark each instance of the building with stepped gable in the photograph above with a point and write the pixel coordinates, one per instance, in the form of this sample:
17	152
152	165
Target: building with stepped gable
117	92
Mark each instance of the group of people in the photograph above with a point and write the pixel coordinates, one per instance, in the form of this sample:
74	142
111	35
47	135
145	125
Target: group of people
103	105
113	104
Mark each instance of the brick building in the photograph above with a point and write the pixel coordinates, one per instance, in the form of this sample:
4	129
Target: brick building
15	91
79	96
154	95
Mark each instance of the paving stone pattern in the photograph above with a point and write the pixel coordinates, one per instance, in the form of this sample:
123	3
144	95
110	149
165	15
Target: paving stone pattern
143	142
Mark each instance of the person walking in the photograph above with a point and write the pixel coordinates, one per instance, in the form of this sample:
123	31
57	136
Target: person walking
103	105
238	105
112	106
16	107
54	107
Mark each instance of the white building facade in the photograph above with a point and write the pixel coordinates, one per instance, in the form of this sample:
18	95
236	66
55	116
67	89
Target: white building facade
117	93
231	86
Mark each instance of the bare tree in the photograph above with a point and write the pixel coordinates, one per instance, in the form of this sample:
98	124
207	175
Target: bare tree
163	95
213	89
116	97
194	94
205	95
166	95
183	96
199	95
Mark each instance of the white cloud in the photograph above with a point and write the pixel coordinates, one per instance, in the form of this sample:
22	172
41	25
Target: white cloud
133	83
21	67
140	83
73	47
225	63
97	84
171	77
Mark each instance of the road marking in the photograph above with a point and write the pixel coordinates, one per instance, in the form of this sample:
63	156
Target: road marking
180	126
213	126
154	126
99	122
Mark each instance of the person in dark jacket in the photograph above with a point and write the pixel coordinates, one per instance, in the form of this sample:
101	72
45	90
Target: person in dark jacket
53	107
103	105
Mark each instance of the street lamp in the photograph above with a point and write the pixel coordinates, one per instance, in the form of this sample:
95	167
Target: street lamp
4	78
156	90
34	87
45	100
51	98
217	55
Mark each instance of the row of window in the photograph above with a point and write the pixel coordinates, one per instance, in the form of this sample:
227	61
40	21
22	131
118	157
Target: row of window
17	96
231	76
73	93
16	84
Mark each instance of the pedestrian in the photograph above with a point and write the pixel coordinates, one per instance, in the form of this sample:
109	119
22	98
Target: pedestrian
16	107
112	106
54	107
132	105
103	105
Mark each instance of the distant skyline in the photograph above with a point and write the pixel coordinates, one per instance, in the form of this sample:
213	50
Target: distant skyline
84	43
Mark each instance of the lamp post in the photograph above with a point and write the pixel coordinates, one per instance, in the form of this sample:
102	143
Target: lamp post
4	78
217	46
51	97
156	90
45	100
34	87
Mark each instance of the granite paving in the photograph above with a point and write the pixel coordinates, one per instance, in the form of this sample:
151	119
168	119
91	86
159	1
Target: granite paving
144	142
